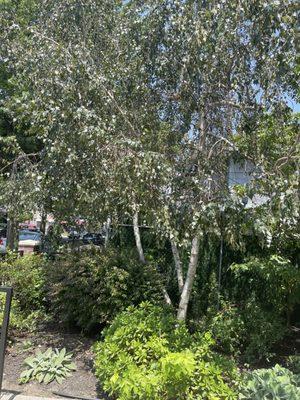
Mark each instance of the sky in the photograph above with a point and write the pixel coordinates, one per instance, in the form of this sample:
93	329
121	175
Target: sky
294	105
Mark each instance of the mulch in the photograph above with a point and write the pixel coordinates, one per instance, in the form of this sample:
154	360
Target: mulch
82	383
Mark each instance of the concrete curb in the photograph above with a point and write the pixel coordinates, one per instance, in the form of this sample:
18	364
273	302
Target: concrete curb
16	396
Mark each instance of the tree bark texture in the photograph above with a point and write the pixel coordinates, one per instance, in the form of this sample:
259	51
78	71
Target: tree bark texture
11	234
190	277
137	236
178	265
107	229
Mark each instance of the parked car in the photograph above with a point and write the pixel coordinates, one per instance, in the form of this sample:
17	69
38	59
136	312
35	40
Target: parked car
2	238
29	241
74	235
93	238
2	245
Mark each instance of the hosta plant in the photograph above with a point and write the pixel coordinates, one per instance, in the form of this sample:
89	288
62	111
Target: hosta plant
48	366
275	383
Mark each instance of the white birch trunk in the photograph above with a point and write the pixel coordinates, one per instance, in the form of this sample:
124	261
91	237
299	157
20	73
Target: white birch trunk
167	297
178	265
190	277
137	237
107	228
140	250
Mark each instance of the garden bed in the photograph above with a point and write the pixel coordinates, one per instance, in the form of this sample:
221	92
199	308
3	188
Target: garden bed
81	383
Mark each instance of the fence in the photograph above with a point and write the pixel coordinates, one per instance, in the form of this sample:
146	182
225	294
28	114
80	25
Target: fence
4	327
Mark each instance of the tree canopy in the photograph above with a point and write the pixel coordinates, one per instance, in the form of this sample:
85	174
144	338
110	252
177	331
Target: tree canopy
140	106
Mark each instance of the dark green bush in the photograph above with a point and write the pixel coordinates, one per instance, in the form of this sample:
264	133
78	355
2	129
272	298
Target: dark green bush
88	288
263	329
293	363
274	281
265	292
227	328
26	276
248	332
146	354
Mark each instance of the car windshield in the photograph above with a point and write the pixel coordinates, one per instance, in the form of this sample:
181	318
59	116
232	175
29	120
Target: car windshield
29	235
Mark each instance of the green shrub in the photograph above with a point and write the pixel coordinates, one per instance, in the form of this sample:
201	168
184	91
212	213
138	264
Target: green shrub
26	276
293	363
146	354
266	291
228	329
274	281
263	330
90	287
20	320
249	331
276	383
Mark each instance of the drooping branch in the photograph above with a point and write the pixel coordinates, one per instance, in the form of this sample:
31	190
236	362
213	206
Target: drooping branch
20	159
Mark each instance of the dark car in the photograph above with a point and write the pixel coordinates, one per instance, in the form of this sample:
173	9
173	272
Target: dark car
93	238
74	236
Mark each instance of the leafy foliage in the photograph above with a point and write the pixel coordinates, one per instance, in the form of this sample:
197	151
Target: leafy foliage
88	288
48	366
274	280
273	146
227	328
293	363
247	332
276	383
262	292
146	354
140	108
264	329
26	276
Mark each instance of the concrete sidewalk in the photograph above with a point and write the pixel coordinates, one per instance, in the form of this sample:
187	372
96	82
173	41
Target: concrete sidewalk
18	396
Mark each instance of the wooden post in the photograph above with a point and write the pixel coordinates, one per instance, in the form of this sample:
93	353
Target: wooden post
4	328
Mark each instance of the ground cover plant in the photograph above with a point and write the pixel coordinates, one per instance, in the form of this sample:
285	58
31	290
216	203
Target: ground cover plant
82	381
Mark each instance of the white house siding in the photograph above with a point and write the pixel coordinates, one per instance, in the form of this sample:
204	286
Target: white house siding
239	173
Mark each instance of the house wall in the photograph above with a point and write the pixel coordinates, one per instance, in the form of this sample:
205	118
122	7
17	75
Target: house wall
239	173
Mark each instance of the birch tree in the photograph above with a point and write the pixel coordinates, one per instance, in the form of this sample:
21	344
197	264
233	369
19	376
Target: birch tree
217	68
138	104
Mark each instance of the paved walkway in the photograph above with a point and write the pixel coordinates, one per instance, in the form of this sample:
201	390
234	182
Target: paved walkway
18	396
15	395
